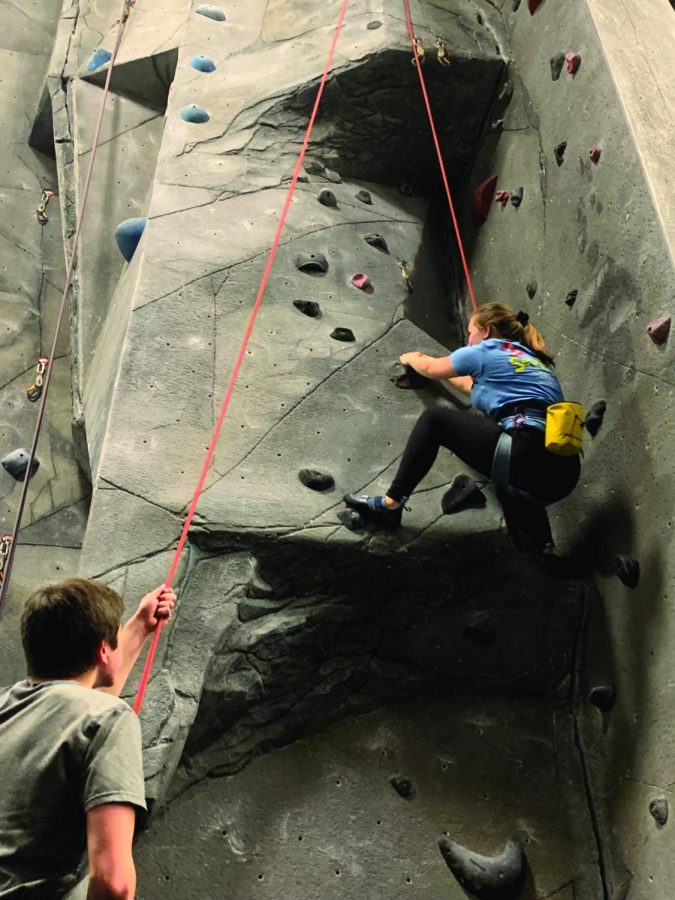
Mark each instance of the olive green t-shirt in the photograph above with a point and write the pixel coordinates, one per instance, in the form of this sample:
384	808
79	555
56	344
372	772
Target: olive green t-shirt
64	749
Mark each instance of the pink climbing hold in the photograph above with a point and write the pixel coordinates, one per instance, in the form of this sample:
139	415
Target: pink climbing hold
533	6
502	197
594	154
361	281
659	329
481	200
572	62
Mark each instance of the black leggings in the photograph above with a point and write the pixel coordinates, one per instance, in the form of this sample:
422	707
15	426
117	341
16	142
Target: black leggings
473	438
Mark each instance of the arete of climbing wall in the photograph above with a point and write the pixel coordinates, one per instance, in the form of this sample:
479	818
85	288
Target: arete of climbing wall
594	239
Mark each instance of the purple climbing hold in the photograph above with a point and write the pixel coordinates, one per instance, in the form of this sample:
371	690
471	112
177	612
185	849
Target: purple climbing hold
627	570
594	154
557	63
572	62
346	335
659	329
361	281
481	200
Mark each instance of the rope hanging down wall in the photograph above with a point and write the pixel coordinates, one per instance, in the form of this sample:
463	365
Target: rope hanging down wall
138	702
9	559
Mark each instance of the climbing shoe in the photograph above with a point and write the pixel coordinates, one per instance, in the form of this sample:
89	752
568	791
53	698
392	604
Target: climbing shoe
462	494
374	510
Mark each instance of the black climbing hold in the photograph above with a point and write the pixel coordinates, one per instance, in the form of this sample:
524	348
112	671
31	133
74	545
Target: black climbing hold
376	240
351	519
497	125
402	786
317	481
343	334
603	696
462	494
364	197
516	5
480	627
309	307
659	811
327	198
560	152
406	378
517	197
557	63
571	298
497	877
531	289
374	25
128	235
311	263
405	189
16	464
627	570
594	417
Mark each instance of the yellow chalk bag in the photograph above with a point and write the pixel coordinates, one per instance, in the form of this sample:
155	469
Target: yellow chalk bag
564	428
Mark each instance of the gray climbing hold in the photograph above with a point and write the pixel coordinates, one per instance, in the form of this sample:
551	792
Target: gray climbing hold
571	298
309	307
517	197
659	811
194	114
560	152
627	570
497	125
403	786
603	696
531	289
16	464
406	378
364	197
346	335
374	25
377	241
98	58
351	519
480	626
330	175
203	63
594	417
462	494
128	235
311	263
211	12
327	198
314	167
499	877
557	63
315	480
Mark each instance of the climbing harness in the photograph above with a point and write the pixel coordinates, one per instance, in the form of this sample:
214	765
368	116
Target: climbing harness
5	543
7	568
439	154
405	274
34	392
41	210
442	53
501	469
420	52
147	668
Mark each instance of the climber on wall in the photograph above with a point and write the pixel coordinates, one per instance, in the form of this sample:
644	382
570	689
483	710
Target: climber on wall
509	373
70	749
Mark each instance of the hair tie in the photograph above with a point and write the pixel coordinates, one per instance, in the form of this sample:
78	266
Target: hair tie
523	318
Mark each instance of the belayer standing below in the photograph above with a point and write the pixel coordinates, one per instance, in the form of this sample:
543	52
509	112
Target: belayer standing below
510	375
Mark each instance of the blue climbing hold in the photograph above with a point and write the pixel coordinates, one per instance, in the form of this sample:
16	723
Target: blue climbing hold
211	12
98	58
128	234
195	114
203	63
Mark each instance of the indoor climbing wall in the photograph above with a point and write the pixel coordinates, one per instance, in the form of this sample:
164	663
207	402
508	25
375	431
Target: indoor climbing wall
331	701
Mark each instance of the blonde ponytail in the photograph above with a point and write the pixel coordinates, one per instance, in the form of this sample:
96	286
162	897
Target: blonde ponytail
512	327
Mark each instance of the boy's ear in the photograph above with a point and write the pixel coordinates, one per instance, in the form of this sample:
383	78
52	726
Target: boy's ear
102	653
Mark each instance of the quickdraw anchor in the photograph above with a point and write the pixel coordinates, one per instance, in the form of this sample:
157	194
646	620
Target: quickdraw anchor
442	53
127	9
5	544
41	210
405	274
420	52
34	392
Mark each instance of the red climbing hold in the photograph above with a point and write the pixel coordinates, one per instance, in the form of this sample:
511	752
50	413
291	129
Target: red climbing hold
502	197
572	62
659	329
533	6
481	200
361	281
594	154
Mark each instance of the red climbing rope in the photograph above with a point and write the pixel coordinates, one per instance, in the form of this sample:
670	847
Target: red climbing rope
138	702
4	585
444	175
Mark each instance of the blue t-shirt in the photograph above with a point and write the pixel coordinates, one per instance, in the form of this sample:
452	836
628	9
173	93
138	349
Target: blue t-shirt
506	372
